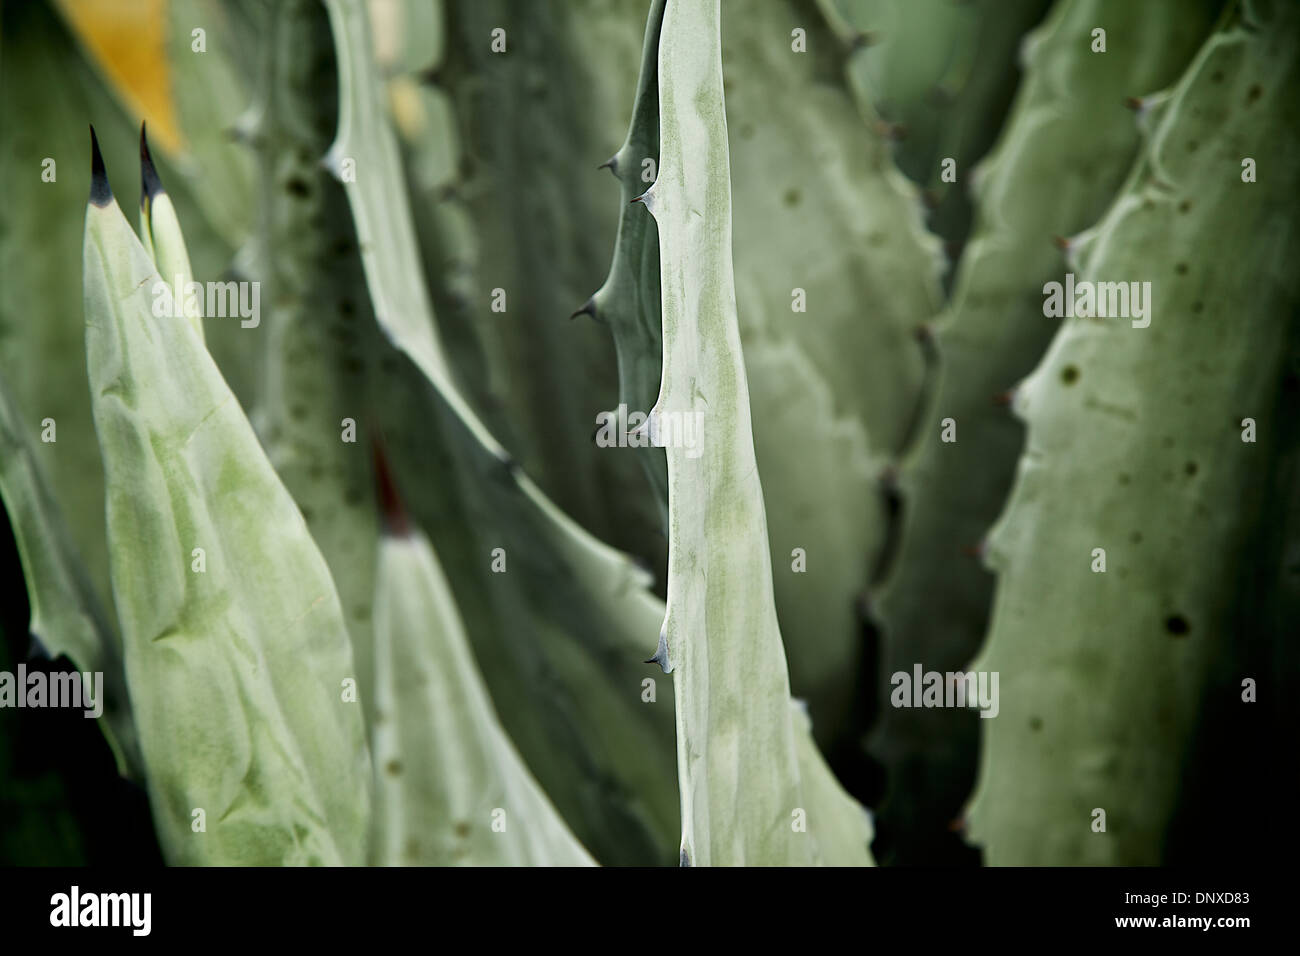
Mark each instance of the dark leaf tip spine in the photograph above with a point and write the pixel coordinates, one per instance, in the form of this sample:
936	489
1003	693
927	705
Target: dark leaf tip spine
150	184
100	192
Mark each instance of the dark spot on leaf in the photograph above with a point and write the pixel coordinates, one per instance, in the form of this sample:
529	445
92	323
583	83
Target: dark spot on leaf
1069	375
1123	478
462	829
1181	268
1254	93
297	186
1136	537
1190	468
1191	145
1177	625
1185	205
1216	76
1197	308
393	767
1035	723
792	197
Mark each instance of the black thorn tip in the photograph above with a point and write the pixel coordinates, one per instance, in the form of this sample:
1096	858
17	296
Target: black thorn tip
661	655
100	192
396	523
684	859
587	308
611	164
150	184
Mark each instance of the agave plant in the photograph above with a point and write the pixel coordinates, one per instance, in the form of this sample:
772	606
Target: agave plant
364	587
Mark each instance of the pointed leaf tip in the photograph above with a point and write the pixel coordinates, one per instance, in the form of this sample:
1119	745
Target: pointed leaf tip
100	192
150	184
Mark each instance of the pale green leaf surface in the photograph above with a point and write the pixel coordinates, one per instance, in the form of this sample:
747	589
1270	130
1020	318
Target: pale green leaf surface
738	751
1135	445
1067	145
450	786
237	672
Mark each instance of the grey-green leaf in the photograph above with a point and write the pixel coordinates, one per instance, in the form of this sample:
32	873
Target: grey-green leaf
237	657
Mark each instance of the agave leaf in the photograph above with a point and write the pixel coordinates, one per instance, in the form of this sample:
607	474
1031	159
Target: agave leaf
1134	446
1041	180
48	93
628	300
210	92
162	239
543	231
822	210
238	666
450	788
320	341
941	75
561	632
66	615
736	733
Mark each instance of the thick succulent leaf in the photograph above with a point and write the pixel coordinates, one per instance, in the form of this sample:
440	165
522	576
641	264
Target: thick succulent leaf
48	93
821	208
66	615
450	786
807	396
1134	445
941	74
237	667
210	91
320	339
1041	180
561	632
628	300
533	123
160	230
736	735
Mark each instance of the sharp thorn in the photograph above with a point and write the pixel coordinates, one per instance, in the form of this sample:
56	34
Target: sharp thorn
150	184
100	192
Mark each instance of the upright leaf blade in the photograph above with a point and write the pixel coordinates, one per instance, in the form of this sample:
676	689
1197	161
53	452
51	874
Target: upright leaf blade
237	667
743	793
